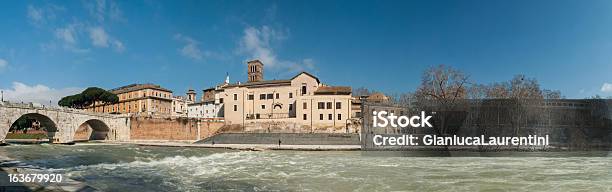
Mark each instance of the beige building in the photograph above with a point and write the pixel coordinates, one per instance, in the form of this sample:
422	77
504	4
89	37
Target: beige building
209	107
180	103
139	98
301	100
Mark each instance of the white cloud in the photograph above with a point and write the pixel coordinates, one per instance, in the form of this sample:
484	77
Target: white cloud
102	9
118	46
191	48
42	94
606	87
3	64
258	43
39	16
99	37
67	34
35	14
115	12
68	37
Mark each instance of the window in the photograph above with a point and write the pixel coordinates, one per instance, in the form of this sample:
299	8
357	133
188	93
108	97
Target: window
235	107
290	106
305	117
303	89
220	100
339	116
290	95
320	116
251	97
338	105
257	116
235	97
329	117
321	105
262	96
329	105
305	105
270	96
277	95
263	106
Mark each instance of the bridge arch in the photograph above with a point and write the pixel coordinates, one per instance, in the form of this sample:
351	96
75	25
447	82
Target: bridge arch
35	122
92	129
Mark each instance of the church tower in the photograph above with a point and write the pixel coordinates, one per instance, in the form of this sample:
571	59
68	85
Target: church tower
191	94
255	71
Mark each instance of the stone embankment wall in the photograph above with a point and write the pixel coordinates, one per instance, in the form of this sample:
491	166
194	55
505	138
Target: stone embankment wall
280	126
285	138
172	128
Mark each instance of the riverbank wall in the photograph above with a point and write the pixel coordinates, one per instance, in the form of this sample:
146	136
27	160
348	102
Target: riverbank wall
172	128
284	138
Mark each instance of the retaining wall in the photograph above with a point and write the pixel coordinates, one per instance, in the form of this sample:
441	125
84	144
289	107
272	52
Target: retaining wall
285	138
151	128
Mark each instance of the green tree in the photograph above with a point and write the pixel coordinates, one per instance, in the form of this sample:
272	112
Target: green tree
89	97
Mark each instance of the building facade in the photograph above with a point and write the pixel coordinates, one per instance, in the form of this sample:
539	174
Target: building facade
290	101
138	98
209	106
180	106
180	103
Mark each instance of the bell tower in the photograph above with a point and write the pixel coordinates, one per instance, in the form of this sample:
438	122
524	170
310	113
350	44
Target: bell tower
255	70
191	94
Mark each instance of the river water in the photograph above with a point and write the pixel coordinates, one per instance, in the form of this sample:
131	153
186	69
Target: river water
139	168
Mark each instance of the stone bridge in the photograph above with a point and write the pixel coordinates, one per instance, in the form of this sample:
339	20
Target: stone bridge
65	125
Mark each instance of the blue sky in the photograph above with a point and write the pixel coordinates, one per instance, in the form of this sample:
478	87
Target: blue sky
52	48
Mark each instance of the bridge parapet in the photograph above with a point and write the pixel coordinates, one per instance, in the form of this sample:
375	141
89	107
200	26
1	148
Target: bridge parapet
55	108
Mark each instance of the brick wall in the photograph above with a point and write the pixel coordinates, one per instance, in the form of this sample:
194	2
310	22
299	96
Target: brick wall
151	128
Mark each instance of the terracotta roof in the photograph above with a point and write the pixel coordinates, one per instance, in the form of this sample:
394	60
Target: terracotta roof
333	90
377	97
136	87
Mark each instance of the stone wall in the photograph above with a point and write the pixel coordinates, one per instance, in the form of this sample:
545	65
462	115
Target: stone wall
280	126
152	128
285	138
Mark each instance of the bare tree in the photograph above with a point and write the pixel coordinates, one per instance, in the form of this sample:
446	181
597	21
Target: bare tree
443	89
525	88
498	91
361	91
443	84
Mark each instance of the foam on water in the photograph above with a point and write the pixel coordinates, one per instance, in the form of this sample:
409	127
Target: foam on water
130	168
